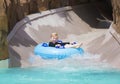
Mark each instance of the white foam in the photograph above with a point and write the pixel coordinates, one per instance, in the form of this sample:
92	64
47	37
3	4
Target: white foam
72	63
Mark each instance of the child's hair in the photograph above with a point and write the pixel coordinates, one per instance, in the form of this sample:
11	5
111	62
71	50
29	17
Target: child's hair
54	34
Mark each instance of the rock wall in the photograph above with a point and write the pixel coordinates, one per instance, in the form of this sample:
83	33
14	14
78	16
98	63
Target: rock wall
3	32
68	22
116	14
108	47
12	11
18	9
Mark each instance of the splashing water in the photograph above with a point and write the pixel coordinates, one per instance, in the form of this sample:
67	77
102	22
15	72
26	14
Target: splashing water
85	69
87	60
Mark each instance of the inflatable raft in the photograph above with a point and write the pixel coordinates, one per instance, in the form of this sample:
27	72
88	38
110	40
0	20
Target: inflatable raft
46	52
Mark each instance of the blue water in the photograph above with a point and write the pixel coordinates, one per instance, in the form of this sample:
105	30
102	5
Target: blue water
87	69
63	75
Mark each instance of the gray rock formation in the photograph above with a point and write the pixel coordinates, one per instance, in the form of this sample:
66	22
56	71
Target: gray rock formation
29	32
116	14
108	46
36	28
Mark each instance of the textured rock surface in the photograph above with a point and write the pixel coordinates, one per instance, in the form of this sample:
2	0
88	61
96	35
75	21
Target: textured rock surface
3	33
107	46
36	28
12	11
16	10
116	14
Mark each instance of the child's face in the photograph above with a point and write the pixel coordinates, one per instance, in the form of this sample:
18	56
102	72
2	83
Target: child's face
54	38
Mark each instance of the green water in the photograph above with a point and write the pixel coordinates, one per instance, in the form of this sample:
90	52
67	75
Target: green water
64	75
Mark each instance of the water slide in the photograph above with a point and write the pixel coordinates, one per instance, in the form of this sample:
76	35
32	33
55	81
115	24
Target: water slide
83	23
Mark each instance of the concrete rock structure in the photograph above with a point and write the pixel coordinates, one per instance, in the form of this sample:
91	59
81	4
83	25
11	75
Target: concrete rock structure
70	22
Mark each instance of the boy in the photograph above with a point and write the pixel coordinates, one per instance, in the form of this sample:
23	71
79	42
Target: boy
55	42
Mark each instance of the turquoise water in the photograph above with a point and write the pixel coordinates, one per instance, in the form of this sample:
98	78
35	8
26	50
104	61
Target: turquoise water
63	75
87	69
